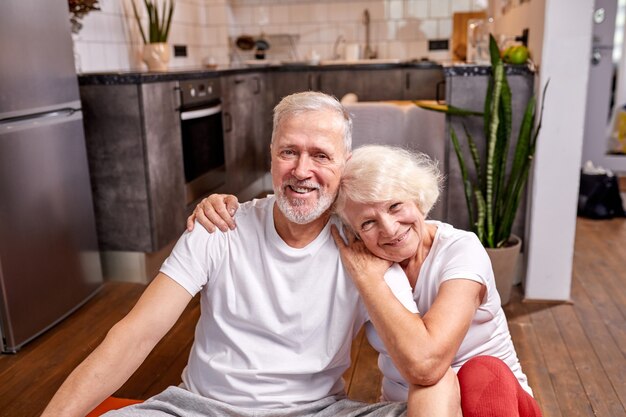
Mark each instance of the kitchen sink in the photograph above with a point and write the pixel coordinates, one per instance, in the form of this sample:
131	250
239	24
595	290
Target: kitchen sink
361	61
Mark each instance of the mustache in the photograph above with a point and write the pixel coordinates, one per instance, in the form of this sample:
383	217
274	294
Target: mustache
304	183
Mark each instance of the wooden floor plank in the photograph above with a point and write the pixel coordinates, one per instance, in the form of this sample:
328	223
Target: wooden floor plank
366	379
65	347
530	356
607	351
595	279
598	387
573	401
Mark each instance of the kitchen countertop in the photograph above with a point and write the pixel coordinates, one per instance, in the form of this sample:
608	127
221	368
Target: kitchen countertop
142	77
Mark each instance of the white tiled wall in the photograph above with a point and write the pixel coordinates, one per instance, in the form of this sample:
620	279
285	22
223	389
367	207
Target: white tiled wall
110	41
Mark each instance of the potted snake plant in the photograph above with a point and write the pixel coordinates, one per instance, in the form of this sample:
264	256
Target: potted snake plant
156	51
494	182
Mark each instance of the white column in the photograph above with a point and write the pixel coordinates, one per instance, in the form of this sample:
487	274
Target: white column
555	177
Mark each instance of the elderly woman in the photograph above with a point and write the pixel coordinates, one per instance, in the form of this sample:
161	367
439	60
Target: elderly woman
456	321
384	198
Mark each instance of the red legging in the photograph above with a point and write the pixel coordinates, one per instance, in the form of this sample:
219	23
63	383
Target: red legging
490	389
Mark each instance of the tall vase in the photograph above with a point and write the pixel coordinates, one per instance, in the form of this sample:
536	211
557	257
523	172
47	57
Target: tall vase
156	56
503	262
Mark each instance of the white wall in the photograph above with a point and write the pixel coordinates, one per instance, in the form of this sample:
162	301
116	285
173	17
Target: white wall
528	15
109	40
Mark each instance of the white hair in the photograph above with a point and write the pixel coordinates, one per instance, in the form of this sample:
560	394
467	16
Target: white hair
298	103
378	173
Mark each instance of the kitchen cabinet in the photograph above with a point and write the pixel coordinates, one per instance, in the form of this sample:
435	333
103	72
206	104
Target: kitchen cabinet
289	82
134	149
423	84
367	84
247	129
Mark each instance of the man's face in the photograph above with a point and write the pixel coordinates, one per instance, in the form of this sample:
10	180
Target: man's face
308	157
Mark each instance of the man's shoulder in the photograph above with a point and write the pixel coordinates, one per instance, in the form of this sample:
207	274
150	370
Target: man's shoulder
254	210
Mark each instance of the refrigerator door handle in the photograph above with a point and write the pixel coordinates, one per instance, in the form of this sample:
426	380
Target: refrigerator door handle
63	112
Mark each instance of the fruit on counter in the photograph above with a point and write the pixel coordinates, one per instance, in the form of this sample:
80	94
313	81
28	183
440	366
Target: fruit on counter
515	54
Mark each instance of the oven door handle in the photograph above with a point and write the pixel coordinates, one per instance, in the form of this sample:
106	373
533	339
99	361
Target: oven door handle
196	114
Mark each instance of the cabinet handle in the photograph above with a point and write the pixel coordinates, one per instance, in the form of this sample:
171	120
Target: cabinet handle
407	81
438	89
257	81
311	82
177	97
239	80
228	122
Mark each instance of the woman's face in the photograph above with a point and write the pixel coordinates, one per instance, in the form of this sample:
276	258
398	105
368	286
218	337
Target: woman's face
390	230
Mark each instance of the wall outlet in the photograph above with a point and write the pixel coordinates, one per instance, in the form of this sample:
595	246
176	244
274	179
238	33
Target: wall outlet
438	44
180	50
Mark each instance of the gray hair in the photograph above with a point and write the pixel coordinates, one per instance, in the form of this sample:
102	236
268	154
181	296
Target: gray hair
299	103
378	173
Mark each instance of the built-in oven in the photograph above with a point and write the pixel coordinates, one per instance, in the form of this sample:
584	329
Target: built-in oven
202	136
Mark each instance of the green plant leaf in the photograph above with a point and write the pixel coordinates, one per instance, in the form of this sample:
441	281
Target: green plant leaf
467	184
494	51
168	24
159	20
475	157
491	148
447	109
143	35
479	227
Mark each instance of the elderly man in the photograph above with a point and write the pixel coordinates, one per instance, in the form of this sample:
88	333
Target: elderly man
278	310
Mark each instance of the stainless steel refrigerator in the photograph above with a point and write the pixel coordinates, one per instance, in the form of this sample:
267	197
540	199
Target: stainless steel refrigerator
49	260
600	86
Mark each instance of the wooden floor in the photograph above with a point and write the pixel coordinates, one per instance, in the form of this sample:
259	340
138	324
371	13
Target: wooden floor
574	354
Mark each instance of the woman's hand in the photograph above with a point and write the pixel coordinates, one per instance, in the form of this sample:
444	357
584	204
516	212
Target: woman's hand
357	259
216	210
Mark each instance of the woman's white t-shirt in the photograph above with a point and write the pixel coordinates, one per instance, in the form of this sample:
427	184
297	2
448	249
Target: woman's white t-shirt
455	254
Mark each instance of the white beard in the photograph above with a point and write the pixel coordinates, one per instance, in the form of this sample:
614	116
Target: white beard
296	210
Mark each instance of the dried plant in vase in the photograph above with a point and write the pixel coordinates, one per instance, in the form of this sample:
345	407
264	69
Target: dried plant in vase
78	10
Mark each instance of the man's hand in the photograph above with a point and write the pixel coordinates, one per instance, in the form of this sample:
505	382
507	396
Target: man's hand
216	210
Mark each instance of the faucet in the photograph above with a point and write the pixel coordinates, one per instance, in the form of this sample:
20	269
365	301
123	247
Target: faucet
336	54
368	53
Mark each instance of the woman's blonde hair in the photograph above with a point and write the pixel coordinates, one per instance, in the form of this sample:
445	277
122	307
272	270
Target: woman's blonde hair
378	173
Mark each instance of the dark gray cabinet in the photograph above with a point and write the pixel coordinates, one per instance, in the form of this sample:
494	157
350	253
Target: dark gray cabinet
423	84
367	84
284	83
135	151
246	135
132	133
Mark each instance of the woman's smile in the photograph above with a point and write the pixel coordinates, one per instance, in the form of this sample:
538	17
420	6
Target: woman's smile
398	240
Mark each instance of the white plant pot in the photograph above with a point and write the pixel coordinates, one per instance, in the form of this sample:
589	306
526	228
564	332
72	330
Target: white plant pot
156	56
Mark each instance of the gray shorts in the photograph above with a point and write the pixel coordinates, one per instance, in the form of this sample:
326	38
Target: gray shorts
176	401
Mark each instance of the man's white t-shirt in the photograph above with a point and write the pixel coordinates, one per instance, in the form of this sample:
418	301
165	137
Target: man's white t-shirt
277	322
455	254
